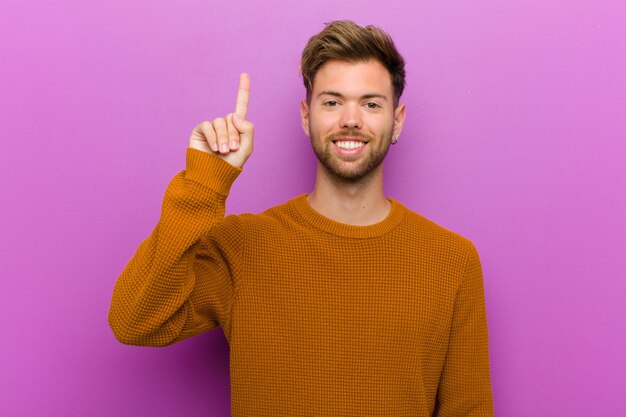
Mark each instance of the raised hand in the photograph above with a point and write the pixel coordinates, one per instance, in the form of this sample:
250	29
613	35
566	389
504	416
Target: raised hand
231	137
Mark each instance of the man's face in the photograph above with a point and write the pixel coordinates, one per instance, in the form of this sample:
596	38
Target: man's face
350	118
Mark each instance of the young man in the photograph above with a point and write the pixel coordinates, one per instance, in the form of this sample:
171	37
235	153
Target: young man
337	303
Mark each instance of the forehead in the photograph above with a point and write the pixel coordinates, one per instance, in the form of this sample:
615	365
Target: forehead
353	78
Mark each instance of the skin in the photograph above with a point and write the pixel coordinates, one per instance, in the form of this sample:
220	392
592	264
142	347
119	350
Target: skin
350	102
231	138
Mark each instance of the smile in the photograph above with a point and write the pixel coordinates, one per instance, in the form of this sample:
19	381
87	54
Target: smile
349	144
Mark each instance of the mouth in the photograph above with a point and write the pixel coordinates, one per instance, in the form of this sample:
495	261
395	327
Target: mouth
349	147
349	144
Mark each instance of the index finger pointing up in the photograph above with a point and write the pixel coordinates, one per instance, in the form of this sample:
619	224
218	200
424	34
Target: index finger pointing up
241	107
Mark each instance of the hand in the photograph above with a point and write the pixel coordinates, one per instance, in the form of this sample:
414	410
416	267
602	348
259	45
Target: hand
231	137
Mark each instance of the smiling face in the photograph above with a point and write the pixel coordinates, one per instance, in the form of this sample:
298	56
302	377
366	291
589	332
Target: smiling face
351	119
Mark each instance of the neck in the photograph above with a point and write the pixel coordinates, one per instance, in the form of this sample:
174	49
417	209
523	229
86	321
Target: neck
361	203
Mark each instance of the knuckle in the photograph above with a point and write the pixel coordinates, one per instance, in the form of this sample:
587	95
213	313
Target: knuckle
207	128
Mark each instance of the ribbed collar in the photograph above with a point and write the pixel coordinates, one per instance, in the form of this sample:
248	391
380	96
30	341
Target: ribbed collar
304	209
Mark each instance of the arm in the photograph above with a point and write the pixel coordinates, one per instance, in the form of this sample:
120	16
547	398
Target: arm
465	385
164	294
181	280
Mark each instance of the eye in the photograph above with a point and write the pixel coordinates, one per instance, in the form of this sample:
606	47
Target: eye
372	105
331	103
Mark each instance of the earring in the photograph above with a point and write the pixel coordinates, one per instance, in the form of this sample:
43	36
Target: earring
394	140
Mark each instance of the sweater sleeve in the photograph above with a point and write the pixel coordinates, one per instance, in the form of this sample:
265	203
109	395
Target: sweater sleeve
180	282
465	385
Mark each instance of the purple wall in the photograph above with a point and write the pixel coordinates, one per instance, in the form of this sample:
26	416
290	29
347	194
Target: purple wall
514	137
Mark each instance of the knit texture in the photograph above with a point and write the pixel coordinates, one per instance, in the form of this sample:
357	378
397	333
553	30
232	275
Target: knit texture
322	318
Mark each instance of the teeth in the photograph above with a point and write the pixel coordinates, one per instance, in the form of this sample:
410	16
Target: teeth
344	144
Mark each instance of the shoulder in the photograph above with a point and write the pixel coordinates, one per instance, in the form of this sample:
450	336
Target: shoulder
427	233
270	221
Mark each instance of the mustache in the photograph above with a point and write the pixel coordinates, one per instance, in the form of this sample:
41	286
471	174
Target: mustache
349	133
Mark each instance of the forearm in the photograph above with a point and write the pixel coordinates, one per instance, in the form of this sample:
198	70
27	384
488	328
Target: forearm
156	300
465	385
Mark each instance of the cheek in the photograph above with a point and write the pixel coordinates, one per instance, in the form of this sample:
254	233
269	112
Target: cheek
322	122
379	124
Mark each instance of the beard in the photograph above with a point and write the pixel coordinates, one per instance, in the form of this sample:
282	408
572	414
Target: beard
351	171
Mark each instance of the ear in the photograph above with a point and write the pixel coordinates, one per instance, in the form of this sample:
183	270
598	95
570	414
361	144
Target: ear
398	117
304	116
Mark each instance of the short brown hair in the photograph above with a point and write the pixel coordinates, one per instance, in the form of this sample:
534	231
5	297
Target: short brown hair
343	40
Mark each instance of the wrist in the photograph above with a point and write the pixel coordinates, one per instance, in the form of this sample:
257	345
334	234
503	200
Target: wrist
210	171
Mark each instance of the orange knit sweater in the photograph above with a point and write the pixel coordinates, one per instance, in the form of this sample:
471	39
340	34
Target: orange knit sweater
322	318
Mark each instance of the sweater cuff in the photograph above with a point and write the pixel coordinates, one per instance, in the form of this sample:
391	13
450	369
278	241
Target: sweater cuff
210	171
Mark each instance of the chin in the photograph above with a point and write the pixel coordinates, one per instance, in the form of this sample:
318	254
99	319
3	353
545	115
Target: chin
351	176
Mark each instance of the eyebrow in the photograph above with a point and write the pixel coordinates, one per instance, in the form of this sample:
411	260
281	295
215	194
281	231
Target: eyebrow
338	94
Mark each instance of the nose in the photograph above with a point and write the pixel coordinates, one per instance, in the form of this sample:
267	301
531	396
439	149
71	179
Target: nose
351	117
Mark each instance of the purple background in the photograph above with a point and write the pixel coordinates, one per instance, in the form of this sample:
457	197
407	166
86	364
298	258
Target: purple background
514	138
